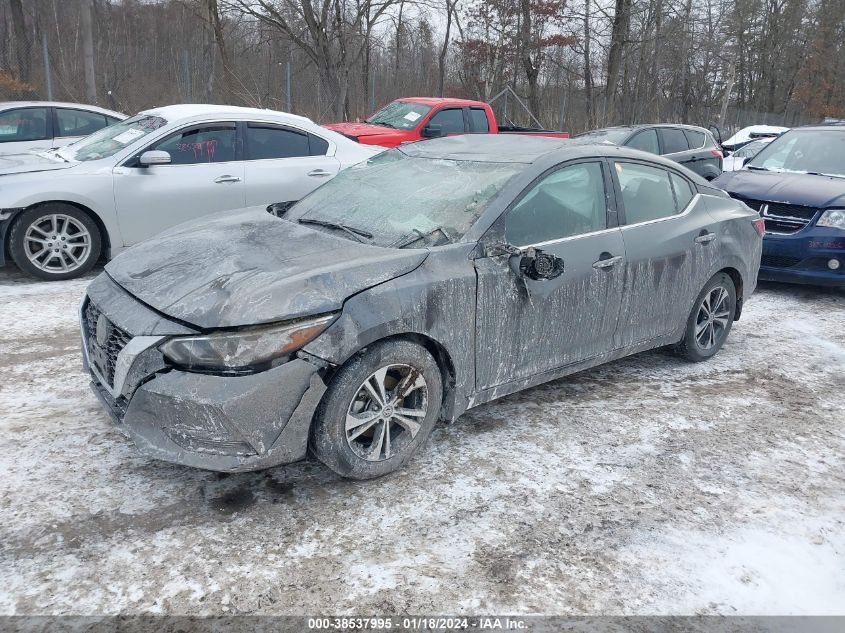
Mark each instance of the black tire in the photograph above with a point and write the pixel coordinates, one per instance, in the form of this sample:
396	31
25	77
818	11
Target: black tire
703	338
40	218
347	395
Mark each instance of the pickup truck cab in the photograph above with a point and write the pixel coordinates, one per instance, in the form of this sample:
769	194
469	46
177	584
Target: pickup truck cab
416	118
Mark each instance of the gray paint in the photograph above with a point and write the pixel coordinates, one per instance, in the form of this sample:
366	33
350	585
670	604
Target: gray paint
493	332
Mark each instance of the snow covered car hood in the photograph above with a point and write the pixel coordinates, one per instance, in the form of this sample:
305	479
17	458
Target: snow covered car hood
249	267
29	163
777	186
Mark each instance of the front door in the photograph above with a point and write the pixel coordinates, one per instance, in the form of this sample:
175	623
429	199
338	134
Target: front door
525	327
205	176
669	238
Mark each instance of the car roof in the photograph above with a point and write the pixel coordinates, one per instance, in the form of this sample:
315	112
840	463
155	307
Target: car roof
639	126
434	101
187	110
822	127
60	104
516	148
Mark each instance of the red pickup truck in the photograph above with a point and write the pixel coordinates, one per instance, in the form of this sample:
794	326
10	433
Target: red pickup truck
416	118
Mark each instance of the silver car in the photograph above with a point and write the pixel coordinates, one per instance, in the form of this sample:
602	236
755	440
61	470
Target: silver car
62	210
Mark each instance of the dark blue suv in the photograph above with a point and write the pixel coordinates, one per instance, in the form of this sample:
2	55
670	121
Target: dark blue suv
797	184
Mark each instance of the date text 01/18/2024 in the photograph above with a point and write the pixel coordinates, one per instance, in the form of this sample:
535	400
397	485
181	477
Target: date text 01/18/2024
417	623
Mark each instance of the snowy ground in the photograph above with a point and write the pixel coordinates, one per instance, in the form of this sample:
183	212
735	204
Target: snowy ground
644	486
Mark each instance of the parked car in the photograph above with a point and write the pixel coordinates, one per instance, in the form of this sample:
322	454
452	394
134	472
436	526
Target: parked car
741	156
40	125
797	183
693	147
417	118
428	280
61	211
751	133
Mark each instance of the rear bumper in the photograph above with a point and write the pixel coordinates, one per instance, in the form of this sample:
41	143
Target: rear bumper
803	257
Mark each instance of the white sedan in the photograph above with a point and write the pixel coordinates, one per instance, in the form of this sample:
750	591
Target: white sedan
40	125
62	210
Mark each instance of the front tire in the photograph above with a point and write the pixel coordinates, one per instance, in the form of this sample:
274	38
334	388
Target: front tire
710	320
378	410
55	241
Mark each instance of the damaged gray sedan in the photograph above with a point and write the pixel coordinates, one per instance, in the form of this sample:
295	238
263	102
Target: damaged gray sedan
429	280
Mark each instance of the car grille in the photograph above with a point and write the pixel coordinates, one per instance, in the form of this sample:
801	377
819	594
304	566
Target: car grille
781	218
778	261
103	351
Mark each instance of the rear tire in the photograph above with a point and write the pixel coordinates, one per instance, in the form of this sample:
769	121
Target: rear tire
378	410
55	241
710	320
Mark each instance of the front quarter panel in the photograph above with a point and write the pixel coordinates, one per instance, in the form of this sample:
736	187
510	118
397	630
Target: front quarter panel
435	302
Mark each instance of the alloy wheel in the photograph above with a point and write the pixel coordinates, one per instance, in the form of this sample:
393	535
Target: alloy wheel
712	319
57	243
386	413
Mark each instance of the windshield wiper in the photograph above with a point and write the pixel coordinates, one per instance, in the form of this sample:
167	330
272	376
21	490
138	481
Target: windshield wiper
356	233
819	173
382	123
755	168
416	235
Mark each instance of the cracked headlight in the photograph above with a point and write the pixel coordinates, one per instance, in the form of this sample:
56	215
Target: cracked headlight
248	348
834	218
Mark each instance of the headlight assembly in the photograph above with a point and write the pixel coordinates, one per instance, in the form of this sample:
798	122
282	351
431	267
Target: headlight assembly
253	347
834	218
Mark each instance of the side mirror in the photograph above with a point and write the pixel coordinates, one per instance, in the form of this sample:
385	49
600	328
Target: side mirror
279	208
432	130
539	265
497	249
154	157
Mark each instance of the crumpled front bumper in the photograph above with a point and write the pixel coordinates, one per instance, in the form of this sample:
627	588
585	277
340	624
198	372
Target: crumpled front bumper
223	423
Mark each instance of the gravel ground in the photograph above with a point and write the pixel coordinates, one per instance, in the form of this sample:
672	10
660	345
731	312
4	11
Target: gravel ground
646	486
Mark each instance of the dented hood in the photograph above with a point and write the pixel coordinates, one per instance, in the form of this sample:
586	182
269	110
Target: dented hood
248	267
802	189
30	162
372	134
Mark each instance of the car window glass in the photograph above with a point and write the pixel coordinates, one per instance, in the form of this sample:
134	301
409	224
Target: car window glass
319	146
274	142
451	119
694	138
23	124
567	202
210	144
78	122
478	119
645	141
673	140
646	192
683	191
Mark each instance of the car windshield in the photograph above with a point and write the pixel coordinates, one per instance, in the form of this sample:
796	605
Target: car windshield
805	152
402	115
113	138
612	135
396	200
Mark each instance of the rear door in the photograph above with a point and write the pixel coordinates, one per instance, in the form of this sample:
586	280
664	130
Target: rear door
72	124
24	129
206	175
674	145
284	163
526	327
669	241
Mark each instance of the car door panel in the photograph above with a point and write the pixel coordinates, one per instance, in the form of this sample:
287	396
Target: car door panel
151	199
526	326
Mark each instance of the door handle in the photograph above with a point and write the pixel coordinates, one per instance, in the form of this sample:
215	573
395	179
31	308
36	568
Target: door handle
226	178
319	173
705	238
608	262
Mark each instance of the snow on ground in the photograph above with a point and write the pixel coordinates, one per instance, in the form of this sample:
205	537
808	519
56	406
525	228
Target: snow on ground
644	486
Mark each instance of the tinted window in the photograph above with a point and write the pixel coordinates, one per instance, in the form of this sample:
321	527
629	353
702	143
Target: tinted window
209	144
78	122
645	141
695	139
23	124
319	146
683	191
452	120
275	142
478	121
646	192
567	202
673	140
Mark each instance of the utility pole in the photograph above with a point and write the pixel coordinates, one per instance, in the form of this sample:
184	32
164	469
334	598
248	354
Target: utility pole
47	75
88	50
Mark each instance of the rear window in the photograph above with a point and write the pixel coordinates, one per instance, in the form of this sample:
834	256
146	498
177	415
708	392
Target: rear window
478	121
265	142
673	140
79	122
